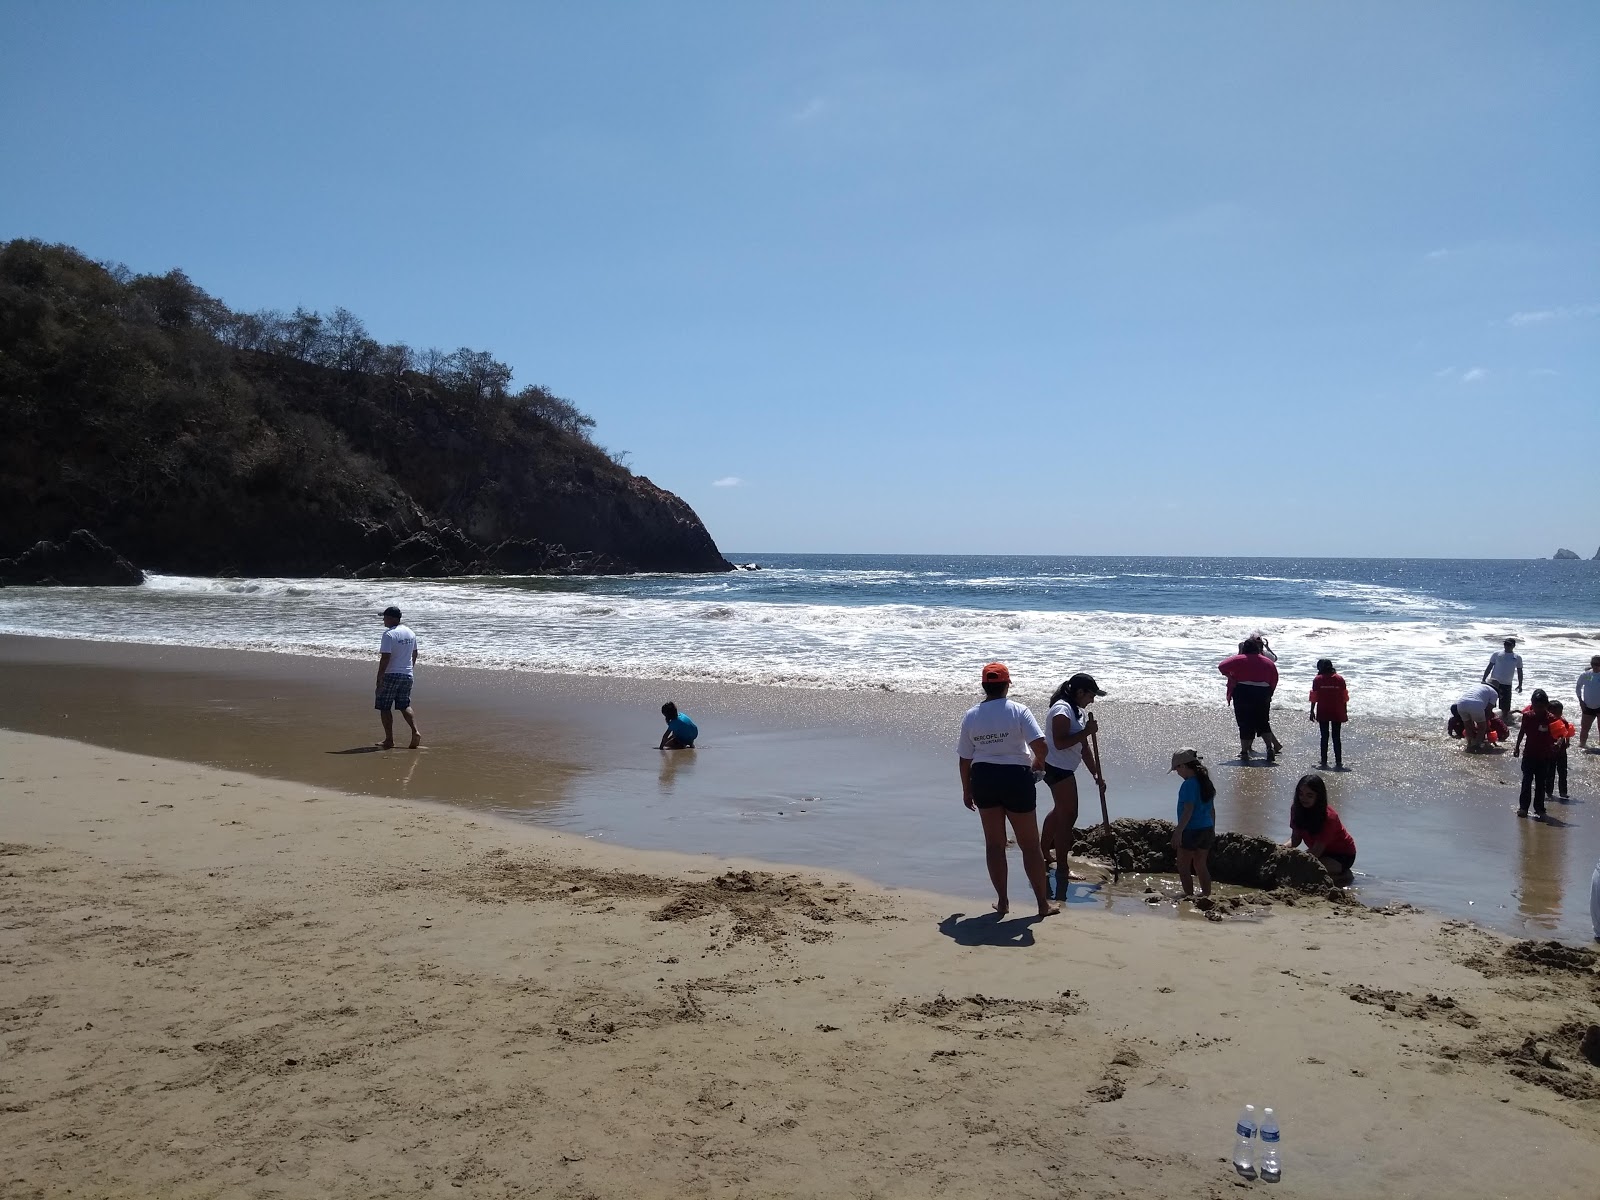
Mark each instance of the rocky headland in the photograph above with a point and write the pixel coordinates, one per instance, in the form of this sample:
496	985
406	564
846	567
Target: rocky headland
149	427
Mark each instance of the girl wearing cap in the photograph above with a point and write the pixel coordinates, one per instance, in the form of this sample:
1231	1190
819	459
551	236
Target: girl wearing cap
1314	822
1000	747
1197	821
1068	729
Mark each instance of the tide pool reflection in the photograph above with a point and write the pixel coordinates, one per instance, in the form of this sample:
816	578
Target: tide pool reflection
1541	852
673	764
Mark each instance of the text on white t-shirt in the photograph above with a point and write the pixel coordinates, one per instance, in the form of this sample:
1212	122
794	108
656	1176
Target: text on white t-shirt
400	644
998	731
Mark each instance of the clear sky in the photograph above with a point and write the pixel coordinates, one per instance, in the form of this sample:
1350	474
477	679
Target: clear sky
1214	278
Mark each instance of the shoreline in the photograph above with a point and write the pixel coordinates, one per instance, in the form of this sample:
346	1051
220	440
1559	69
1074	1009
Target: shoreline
858	781
207	969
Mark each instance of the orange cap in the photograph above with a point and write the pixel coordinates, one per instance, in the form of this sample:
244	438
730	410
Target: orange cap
996	673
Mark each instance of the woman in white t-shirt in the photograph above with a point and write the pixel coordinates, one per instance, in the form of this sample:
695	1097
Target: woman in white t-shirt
1067	729
999	749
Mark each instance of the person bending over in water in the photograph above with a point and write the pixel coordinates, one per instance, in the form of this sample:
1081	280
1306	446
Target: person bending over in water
681	731
1473	710
1314	823
1067	729
1197	821
999	748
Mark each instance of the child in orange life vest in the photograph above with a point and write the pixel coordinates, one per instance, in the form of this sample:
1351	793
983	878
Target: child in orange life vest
1563	730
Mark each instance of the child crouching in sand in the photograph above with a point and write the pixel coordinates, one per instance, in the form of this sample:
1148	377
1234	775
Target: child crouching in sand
1315	823
1197	821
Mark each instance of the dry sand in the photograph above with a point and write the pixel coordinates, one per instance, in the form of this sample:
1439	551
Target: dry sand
218	985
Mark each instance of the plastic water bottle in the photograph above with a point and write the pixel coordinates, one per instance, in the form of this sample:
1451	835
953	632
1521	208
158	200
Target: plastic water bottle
1271	1164
1244	1146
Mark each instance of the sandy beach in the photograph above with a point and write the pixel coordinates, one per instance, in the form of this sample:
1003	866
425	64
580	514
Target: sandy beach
222	985
862	781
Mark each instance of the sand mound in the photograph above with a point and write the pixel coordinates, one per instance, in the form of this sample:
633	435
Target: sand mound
1536	958
1146	845
762	906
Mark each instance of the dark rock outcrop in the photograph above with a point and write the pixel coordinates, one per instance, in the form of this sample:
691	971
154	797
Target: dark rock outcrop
82	560
200	441
1146	845
1564	553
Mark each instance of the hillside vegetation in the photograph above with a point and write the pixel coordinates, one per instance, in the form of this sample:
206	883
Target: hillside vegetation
194	439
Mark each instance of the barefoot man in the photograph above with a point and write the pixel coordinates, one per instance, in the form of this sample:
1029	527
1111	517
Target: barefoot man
397	656
1000	748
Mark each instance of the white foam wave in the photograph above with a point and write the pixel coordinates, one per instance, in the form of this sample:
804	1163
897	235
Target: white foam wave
1401	662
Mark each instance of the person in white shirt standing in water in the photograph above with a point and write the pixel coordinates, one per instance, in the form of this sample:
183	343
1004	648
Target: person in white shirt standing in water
1068	727
1589	701
1502	669
1000	748
397	659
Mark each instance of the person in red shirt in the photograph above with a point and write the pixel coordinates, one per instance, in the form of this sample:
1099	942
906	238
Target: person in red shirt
1538	729
1314	823
1329	701
1252	678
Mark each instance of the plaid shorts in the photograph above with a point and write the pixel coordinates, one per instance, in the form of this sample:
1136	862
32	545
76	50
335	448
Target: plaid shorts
393	692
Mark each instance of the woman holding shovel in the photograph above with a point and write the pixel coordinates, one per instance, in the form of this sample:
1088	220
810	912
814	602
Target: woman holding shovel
1069	728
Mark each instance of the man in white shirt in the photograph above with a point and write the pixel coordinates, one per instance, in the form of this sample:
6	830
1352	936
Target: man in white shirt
1502	669
1474	709
397	660
999	749
1589	699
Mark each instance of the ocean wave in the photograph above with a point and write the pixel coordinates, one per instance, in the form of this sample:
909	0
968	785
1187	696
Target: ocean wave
1407	654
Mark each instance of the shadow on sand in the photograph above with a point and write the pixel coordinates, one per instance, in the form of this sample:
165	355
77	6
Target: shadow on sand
367	749
990	929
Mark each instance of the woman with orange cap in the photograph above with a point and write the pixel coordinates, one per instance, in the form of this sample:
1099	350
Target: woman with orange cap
999	749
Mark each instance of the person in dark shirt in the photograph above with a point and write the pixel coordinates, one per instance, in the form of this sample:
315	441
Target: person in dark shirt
1538	731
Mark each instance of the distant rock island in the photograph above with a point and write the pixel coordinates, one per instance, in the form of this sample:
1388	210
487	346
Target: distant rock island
1565	553
149	427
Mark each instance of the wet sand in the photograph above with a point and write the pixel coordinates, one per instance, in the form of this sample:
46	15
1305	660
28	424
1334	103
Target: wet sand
860	780
221	985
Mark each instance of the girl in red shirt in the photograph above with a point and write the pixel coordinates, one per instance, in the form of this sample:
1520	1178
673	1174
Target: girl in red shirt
1314	822
1329	701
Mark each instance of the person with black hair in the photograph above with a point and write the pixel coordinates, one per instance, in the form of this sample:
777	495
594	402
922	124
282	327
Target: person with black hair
1252	678
1330	699
1537	727
1316	825
1196	827
681	731
1068	728
998	750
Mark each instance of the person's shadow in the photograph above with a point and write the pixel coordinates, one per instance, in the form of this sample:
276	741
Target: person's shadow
991	929
368	749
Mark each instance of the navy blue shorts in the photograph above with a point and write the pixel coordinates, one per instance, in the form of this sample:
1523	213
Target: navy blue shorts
393	692
1198	839
1003	785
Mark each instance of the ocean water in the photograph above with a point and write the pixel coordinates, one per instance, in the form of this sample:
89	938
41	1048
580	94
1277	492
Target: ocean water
1407	633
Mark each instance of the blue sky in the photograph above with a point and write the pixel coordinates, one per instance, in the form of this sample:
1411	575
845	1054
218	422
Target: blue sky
1211	278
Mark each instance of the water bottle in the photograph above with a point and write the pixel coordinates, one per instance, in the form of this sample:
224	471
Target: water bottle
1271	1165
1244	1147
